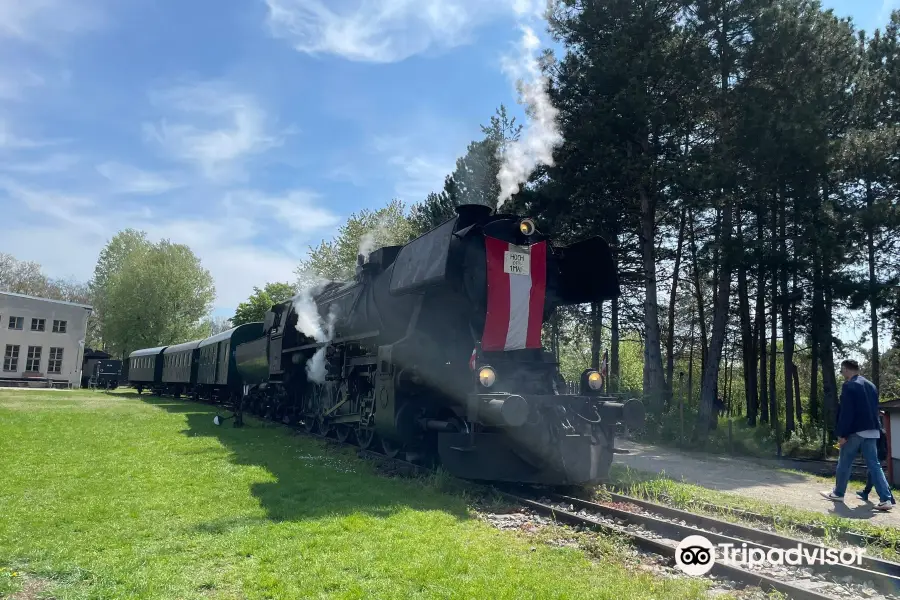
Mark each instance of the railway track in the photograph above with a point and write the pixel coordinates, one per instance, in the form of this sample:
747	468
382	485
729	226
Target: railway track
850	537
657	529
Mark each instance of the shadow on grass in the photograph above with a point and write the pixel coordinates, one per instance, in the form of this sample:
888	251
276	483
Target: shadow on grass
312	478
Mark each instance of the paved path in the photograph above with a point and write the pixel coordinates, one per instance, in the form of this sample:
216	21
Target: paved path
745	477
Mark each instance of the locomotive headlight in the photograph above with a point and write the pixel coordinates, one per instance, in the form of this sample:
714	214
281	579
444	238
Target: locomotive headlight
526	226
595	380
486	376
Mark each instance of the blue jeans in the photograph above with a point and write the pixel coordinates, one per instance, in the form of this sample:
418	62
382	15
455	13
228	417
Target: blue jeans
869	449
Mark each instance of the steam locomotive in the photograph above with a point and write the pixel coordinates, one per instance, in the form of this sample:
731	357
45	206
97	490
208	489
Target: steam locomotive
434	349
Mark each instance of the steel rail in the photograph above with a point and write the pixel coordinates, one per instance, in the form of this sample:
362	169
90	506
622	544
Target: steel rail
662	548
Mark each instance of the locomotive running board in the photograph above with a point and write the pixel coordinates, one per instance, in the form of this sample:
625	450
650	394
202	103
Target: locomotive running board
362	336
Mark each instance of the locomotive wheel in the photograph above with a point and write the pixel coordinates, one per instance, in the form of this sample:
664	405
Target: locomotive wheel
342	433
324	428
310	424
391	450
365	437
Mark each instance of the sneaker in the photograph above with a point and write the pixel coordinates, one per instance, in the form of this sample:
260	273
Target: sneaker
832	496
862	496
884	506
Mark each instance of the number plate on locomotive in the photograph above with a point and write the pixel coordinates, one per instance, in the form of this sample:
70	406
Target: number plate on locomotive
516	263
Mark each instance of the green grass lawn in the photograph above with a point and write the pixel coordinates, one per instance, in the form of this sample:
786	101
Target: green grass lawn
115	496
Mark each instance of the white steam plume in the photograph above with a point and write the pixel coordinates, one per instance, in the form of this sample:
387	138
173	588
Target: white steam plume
541	135
311	324
375	238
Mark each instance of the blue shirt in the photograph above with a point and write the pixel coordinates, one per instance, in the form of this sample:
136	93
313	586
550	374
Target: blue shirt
858	409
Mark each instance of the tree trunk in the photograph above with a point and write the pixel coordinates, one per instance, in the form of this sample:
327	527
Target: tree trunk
673	297
773	349
787	342
748	347
815	331
730	389
614	374
654	377
875	373
720	322
763	398
822	300
795	376
690	395
596	329
793	323
829	379
717	253
698	292
814	359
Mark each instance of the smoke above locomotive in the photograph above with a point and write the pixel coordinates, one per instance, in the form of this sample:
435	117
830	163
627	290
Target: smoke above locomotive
435	349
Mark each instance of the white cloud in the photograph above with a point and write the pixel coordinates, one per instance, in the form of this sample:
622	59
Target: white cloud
53	163
11	140
297	209
43	21
234	238
126	179
380	32
71	209
217	128
417	172
14	84
419	176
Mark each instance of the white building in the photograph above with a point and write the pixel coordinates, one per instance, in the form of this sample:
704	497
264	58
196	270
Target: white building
42	339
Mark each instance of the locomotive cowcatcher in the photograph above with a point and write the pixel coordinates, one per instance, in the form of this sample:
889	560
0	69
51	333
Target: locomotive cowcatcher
434	349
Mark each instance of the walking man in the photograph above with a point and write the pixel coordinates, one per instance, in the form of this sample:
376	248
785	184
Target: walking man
858	431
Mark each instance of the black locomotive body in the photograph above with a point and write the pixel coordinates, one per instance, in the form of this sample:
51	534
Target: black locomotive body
107	374
435	349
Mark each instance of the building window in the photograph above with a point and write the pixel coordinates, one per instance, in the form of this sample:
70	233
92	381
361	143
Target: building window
11	359
54	364
37	324
33	362
59	326
16	322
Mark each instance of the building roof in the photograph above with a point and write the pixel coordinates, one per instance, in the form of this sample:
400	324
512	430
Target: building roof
890	405
88	307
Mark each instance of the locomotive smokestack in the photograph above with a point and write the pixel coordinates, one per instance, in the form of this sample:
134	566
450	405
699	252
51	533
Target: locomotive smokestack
471	213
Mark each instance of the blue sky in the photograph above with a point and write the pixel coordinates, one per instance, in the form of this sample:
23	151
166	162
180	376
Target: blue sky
248	129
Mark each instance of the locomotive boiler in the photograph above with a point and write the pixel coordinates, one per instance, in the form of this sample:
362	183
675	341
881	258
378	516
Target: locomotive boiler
435	349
